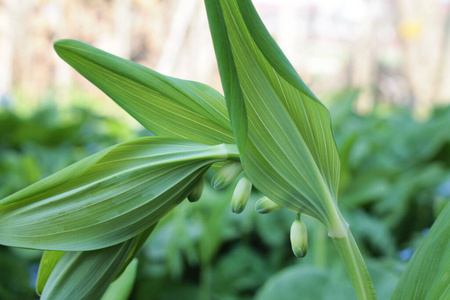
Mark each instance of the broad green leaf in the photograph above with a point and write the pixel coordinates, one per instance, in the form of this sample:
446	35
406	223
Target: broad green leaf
427	275
121	288
109	197
282	130
164	105
86	274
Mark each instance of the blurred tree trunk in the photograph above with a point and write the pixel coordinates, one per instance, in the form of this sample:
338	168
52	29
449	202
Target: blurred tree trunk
62	72
200	58
179	26
122	27
7	20
13	37
363	65
422	29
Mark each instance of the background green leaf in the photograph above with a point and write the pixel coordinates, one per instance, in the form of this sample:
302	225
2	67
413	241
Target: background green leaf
314	283
427	275
296	281
164	105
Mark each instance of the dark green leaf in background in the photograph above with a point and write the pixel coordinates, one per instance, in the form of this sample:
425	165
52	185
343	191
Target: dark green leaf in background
427	276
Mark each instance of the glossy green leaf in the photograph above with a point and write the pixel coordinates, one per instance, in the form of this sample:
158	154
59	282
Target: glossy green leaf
121	288
282	130
109	197
164	105
427	275
86	274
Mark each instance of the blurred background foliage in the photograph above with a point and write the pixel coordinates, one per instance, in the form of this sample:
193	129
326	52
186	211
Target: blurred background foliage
395	178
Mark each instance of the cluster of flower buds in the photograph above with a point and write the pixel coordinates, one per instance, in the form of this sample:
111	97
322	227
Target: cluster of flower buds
229	172
299	234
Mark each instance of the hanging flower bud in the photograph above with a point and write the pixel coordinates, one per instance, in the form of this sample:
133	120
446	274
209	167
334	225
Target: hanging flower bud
264	206
197	191
241	195
299	237
226	175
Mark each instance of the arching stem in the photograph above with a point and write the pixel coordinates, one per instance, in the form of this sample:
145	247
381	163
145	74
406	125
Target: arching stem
356	268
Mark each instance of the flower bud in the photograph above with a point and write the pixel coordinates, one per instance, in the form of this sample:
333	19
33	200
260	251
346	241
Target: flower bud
197	191
299	237
241	195
264	205
226	175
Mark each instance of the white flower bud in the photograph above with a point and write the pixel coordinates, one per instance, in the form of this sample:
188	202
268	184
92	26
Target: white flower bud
299	237
197	191
241	195
226	175
264	206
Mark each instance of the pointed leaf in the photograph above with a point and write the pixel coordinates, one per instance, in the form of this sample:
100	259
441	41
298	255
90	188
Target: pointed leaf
48	263
164	105
50	259
109	197
86	274
282	130
427	275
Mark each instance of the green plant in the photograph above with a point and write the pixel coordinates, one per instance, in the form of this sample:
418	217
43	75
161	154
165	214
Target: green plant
94	216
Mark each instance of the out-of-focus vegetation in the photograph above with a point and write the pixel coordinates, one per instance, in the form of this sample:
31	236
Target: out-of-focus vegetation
395	179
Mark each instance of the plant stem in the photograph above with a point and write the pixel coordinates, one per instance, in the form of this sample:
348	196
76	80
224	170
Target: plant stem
356	268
